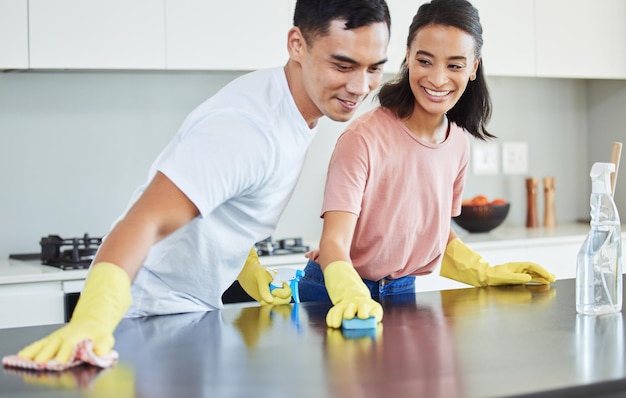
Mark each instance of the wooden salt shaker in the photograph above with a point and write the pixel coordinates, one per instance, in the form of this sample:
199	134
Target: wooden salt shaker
532	219
549	218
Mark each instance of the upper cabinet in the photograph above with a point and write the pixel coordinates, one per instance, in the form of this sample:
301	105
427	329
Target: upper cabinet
237	34
530	38
93	34
402	13
13	34
581	39
554	38
508	36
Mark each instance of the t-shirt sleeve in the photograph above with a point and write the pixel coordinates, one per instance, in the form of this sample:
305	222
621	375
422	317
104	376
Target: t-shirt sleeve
347	175
219	157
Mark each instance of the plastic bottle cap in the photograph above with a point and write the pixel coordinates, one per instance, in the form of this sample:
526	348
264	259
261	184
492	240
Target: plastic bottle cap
601	177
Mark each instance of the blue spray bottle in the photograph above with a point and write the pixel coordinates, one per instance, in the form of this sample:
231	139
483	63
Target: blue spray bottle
291	276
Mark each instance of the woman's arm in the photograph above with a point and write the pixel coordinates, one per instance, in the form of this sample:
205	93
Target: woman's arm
336	237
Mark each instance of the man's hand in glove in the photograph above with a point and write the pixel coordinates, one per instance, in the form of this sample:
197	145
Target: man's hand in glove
465	265
101	306
255	280
349	295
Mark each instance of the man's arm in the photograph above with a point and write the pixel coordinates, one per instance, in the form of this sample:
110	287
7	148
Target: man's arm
161	210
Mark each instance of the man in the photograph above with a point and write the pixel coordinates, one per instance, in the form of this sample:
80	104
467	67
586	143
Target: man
225	179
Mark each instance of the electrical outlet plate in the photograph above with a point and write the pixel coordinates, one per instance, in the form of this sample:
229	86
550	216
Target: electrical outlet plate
515	158
485	159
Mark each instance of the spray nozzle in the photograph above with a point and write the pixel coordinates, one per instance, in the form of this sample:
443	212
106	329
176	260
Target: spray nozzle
601	177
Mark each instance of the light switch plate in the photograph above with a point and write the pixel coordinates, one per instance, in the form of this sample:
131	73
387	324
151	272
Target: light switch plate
515	157
485	159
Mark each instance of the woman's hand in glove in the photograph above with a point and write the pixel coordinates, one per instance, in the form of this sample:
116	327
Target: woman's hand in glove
349	295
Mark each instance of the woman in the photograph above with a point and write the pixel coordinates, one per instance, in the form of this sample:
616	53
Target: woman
398	172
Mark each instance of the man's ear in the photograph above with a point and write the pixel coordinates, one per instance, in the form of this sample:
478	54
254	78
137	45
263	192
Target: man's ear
296	45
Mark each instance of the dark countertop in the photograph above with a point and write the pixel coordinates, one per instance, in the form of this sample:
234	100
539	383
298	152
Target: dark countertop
476	342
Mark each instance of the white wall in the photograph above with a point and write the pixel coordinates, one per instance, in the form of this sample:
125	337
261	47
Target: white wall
550	115
73	146
607	124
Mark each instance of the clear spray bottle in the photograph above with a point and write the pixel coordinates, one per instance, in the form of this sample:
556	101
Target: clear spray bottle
599	271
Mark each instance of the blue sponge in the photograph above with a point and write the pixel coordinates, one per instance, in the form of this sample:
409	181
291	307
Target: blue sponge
358	323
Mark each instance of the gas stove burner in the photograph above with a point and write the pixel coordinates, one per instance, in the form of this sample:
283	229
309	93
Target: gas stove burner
73	253
268	247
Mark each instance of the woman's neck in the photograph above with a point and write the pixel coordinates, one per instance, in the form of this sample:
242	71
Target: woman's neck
433	130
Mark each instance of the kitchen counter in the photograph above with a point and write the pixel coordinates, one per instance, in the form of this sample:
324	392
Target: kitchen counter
16	271
19	271
522	235
478	342
547	246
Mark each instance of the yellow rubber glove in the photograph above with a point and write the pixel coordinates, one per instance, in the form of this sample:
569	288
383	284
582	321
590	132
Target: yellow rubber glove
255	280
349	295
465	265
101	306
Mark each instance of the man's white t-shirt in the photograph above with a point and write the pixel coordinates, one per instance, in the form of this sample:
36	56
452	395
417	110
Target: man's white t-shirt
237	157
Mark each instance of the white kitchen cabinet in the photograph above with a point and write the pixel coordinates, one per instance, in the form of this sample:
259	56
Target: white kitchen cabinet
502	253
554	38
433	281
559	258
402	13
97	34
13	34
29	304
508	37
581	39
493	254
556	254
233	35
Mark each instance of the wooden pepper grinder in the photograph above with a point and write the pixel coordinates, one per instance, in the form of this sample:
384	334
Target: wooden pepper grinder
549	218
532	219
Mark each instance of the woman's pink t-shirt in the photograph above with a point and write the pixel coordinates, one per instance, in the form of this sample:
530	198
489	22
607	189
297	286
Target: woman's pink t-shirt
402	189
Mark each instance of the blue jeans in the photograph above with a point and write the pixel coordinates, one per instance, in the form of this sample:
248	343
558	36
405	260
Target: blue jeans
312	288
